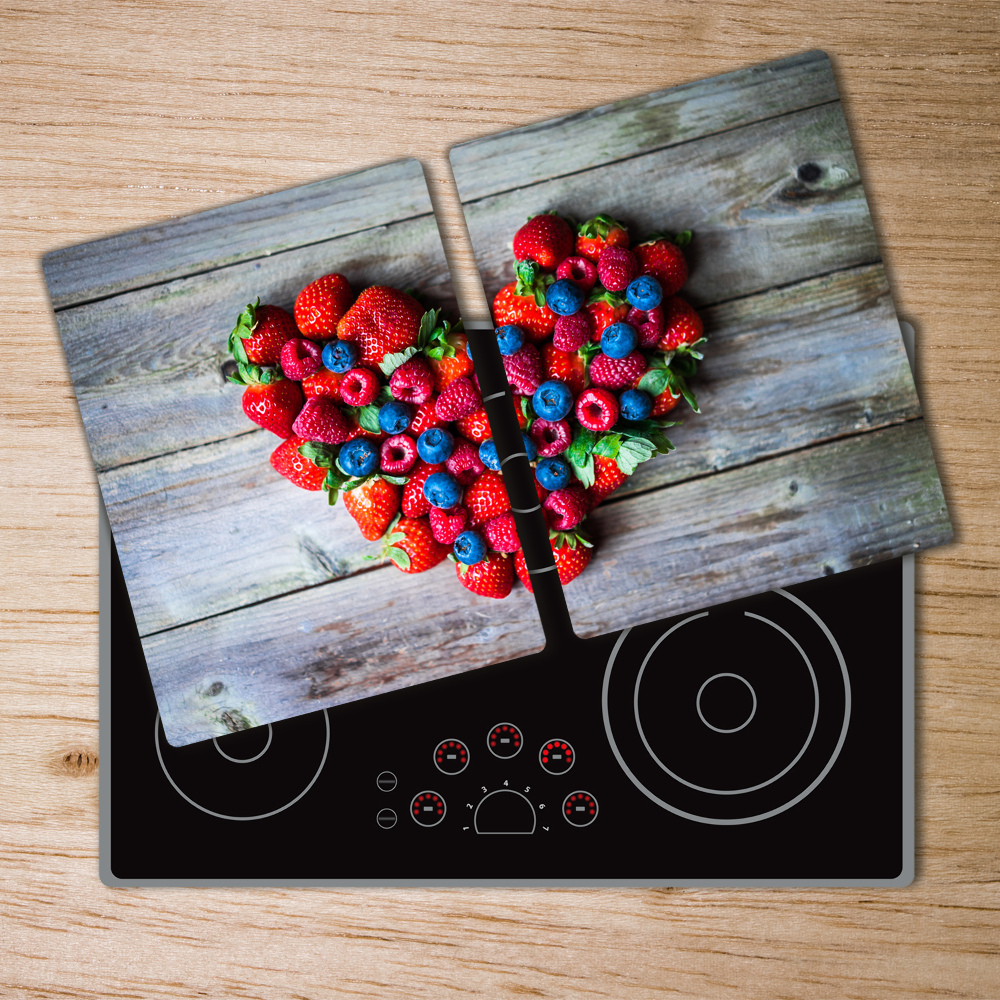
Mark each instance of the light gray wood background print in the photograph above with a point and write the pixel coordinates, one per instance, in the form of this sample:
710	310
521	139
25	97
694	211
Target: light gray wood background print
810	455
252	597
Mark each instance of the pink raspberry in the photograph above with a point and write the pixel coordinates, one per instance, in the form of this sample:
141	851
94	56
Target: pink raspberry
501	534
448	524
412	382
566	508
617	267
359	387
572	332
464	463
551	437
649	324
580	270
524	369
399	454
458	399
597	410
321	420
300	358
616	373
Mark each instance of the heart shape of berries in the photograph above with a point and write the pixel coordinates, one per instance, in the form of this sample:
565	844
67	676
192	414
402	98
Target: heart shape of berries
376	401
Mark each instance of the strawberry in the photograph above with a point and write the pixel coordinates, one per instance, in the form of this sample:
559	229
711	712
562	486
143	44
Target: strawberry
546	239
664	260
476	426
491	577
260	333
447	357
524	369
373	504
665	402
607	478
616	267
459	399
565	366
382	321
320	306
682	326
486	498
605	308
321	420
415	504
425	418
410	544
514	309
269	399
447	525
324	383
616	373
597	233
292	464
572	552
501	533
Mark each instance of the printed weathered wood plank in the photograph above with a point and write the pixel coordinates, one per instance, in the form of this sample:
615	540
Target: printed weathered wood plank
331	644
242	231
668	117
831	508
756	224
785	369
147	365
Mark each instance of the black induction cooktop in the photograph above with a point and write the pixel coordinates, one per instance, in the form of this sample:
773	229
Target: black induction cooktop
763	742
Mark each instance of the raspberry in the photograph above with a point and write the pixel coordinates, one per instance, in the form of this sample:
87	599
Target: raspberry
566	508
464	463
649	324
551	437
524	369
580	270
597	410
572	332
359	387
399	454
448	523
616	373
617	267
501	533
459	399
412	382
300	359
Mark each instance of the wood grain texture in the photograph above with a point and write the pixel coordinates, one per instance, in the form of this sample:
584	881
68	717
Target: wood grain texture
105	132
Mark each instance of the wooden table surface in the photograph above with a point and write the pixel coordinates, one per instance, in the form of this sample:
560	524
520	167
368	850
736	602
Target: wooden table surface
116	115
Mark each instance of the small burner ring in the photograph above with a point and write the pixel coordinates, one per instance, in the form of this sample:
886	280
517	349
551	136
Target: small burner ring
753	709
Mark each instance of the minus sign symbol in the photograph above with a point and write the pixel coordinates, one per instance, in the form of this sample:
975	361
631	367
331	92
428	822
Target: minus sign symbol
451	756
557	756
428	809
579	809
505	739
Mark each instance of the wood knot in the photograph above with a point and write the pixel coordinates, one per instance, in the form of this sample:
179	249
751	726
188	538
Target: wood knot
77	763
809	172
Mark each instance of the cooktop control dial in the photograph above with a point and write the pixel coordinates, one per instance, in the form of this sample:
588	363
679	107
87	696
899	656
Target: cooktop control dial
556	756
428	808
504	740
451	756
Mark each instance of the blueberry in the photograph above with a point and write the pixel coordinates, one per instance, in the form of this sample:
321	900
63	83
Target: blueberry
564	297
442	490
530	448
359	457
435	445
340	356
554	473
644	293
395	417
488	455
553	399
510	339
634	404
470	548
619	340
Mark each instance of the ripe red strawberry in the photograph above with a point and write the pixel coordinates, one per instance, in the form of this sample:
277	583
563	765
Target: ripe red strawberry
501	533
566	508
564	366
411	545
682	326
415	504
260	333
449	367
382	321
665	261
459	399
546	239
321	420
320	306
425	418
604	310
492	577
324	383
447	525
510	308
524	369
300	470
616	373
572	552
486	498
607	478
476	426
597	233
268	399
373	505
665	402
616	267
